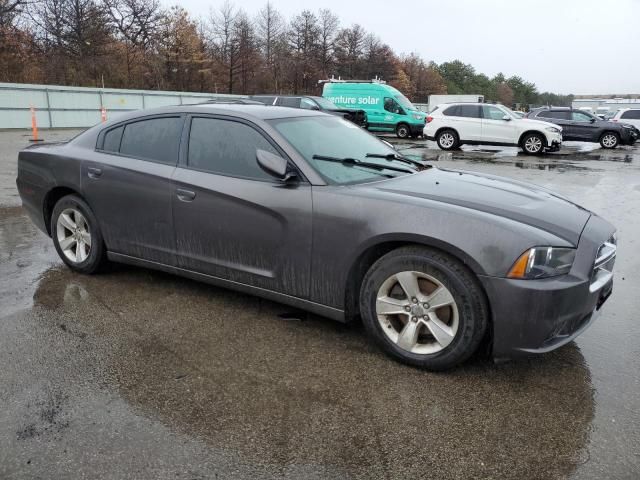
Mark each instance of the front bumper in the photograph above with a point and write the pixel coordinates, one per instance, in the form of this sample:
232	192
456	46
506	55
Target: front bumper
537	316
554	140
629	136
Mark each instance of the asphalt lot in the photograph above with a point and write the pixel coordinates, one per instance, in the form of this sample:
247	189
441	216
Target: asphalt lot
139	374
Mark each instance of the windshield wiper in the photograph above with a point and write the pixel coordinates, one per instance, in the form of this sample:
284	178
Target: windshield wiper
399	158
351	162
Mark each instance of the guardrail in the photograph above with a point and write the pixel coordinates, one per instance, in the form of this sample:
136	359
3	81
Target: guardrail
79	107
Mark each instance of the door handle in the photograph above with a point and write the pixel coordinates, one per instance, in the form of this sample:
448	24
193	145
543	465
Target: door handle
93	172
185	195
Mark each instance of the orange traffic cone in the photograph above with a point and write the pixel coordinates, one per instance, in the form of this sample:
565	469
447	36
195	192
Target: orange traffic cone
34	127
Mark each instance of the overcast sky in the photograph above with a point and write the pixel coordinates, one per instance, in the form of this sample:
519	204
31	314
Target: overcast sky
563	46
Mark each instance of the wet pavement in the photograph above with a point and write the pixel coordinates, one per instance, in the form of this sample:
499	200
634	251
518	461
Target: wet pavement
139	374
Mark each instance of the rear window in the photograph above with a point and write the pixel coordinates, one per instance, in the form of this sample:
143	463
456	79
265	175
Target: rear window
293	102
156	139
112	140
557	114
453	111
631	114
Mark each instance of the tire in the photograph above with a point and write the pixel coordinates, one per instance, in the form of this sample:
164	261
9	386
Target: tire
459	325
76	235
447	140
609	140
403	131
533	143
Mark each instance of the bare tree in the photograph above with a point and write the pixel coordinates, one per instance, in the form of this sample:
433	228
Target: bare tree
270	29
349	50
303	40
224	47
328	25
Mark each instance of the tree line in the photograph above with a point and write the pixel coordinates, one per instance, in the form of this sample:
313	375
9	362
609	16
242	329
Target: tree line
141	44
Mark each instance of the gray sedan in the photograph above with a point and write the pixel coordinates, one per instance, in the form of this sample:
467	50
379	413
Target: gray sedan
309	210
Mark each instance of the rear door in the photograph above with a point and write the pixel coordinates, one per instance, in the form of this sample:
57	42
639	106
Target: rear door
465	119
234	221
582	127
495	128
128	185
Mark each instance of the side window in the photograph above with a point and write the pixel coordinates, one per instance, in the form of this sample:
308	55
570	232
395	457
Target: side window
227	148
631	114
263	99
390	105
492	113
156	139
293	102
453	111
308	104
112	139
557	114
469	111
580	117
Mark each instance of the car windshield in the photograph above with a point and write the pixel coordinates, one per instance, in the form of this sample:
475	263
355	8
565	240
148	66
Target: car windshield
330	136
325	104
404	102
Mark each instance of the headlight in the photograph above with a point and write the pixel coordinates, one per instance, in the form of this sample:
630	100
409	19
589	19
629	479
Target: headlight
552	129
543	262
417	116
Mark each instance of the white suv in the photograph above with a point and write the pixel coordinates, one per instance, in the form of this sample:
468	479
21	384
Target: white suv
629	116
454	124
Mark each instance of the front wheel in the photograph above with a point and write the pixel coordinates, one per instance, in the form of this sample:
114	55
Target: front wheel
609	140
533	144
76	235
423	308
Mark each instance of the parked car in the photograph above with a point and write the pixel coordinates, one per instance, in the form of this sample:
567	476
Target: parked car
630	116
300	207
310	102
387	109
582	126
455	124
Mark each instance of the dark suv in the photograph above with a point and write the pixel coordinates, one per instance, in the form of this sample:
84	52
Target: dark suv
309	102
581	126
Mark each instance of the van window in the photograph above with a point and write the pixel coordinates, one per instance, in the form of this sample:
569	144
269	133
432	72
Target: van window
156	139
227	148
631	114
390	105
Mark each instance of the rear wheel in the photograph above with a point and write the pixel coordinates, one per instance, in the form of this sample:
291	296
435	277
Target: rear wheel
76	235
423	308
403	131
609	140
533	143
447	140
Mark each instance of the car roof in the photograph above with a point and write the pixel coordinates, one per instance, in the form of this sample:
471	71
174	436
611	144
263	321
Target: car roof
249	112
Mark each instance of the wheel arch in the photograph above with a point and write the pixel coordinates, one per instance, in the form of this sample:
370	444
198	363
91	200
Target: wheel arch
442	129
527	132
380	246
50	200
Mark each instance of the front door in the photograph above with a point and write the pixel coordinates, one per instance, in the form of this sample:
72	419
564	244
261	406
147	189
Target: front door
234	221
582	126
127	183
495	128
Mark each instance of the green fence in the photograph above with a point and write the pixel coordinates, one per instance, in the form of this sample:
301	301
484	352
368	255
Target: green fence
78	107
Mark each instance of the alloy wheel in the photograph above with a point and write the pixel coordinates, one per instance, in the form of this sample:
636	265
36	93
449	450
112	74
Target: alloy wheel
446	140
609	140
533	144
73	234
417	312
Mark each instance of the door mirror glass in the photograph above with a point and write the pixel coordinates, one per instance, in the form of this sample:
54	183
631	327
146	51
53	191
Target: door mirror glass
274	165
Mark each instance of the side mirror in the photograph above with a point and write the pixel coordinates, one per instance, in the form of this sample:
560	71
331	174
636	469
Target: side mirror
315	107
593	120
274	165
506	118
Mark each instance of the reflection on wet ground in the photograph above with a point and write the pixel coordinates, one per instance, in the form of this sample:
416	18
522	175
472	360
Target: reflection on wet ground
134	373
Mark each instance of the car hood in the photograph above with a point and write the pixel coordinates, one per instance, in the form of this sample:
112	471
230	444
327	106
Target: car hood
519	201
538	123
